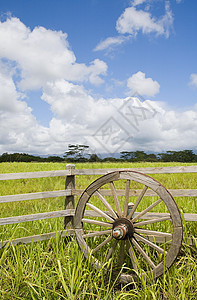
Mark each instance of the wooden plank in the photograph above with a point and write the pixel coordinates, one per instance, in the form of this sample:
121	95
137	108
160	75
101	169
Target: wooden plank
11	176
39	216
161	239
69	192
88	213
70	199
32	196
149	193
64	233
187	216
151	170
36	238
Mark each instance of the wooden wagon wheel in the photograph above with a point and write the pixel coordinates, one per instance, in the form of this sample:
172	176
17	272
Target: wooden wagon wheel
139	239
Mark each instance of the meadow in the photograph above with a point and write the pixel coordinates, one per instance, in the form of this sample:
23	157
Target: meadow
56	269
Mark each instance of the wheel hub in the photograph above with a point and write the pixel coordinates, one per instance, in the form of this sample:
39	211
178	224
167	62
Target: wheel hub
122	229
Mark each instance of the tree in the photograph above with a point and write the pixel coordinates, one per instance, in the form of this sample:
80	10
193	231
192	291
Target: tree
140	156
94	158
179	156
76	153
54	159
127	155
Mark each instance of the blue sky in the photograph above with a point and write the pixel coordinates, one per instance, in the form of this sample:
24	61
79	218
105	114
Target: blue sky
116	75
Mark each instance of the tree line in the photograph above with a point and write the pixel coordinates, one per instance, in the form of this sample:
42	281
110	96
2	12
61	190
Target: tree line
79	153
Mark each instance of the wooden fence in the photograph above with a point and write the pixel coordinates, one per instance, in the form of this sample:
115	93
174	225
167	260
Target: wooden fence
70	192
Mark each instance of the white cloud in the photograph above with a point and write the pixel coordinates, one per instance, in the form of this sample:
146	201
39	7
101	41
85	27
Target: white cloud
8	94
78	118
133	20
193	80
43	58
111	42
138	83
73	105
138	2
43	55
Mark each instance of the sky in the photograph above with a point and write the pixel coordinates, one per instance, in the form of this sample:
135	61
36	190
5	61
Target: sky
116	75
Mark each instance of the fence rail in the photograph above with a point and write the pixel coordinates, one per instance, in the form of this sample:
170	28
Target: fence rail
68	172
70	192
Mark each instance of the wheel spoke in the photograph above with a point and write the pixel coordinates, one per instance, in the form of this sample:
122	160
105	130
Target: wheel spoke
111	250
95	222
142	239
107	205
137	202
133	257
122	252
100	212
102	244
97	233
146	257
115	196
125	212
152	232
146	210
151	221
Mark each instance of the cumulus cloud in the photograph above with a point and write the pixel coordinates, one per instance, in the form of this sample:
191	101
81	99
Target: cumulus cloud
138	83
193	80
106	125
43	59
44	55
132	21
9	97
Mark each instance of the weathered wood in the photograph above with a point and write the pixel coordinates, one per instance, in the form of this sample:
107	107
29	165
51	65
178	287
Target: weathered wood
107	205
188	217
27	175
69	200
141	251
116	201
142	193
33	196
102	244
171	205
64	233
95	222
95	185
126	202
38	216
142	213
132	256
151	221
100	212
149	243
149	193
71	212
36	238
97	233
151	170
69	192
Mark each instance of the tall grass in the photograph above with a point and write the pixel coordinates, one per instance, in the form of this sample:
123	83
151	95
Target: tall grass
56	269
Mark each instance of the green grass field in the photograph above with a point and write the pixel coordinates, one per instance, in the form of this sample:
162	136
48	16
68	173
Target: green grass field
55	269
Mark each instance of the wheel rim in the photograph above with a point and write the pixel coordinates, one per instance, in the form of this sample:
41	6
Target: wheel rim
105	227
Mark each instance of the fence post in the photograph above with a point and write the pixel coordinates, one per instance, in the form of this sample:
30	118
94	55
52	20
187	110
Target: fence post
69	200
